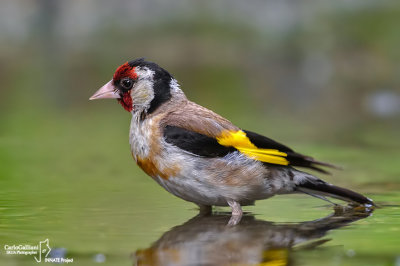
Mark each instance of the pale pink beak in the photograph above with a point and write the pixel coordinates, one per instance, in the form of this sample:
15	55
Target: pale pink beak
107	91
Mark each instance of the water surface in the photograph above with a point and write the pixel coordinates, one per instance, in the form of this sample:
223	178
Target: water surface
79	188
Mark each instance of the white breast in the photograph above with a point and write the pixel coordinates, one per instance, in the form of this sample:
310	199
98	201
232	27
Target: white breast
140	136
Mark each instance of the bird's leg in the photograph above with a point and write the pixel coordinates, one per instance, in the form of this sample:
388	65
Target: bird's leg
205	209
236	212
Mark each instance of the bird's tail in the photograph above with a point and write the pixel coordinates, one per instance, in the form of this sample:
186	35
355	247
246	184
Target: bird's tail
319	189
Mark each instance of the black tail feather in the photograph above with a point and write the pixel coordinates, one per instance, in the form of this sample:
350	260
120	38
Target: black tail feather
322	188
297	159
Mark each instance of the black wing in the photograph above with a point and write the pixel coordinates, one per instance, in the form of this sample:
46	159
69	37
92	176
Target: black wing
195	143
294	158
206	146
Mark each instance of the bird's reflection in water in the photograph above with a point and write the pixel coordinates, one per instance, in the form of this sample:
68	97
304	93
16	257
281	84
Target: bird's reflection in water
207	240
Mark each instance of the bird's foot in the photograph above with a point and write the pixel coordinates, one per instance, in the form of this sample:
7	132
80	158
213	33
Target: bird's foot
237	213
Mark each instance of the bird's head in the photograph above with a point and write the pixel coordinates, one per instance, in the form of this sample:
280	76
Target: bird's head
138	85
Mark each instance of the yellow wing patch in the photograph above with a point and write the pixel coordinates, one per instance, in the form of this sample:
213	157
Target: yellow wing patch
241	142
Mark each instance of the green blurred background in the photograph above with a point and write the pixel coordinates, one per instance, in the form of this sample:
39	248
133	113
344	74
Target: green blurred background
321	76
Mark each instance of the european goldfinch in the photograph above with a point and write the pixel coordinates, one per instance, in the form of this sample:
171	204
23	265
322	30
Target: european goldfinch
201	157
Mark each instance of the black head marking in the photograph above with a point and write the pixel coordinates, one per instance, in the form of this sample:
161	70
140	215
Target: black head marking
162	90
136	62
161	79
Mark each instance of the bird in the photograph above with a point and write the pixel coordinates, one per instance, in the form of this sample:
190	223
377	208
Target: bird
202	157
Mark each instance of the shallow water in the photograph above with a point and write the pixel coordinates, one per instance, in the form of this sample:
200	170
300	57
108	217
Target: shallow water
95	206
296	229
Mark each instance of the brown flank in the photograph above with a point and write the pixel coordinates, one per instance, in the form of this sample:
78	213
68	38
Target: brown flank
150	168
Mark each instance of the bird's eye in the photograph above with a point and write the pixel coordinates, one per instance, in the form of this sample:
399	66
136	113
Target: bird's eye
126	83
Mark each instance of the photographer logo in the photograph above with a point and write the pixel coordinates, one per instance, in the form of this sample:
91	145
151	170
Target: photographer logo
40	252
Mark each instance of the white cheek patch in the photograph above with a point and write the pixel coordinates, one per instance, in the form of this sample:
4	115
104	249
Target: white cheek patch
142	92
